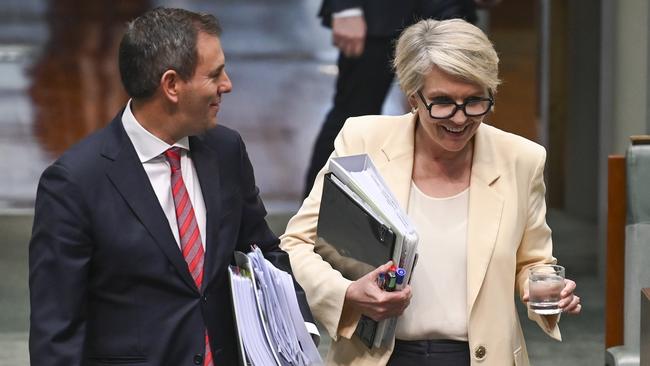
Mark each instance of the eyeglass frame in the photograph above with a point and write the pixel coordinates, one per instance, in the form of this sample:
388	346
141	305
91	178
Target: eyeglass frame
457	106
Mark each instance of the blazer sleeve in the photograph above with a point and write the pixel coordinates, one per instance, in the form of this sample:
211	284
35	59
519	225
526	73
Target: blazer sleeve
255	230
59	258
536	246
340	5
324	286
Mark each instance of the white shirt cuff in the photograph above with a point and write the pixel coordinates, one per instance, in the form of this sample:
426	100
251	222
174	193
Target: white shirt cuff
313	330
352	12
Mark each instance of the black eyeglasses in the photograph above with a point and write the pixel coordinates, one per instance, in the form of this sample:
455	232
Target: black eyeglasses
472	107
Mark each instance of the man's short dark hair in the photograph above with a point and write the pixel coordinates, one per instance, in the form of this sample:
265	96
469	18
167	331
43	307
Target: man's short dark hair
161	39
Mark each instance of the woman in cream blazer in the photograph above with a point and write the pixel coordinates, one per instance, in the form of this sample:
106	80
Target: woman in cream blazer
506	226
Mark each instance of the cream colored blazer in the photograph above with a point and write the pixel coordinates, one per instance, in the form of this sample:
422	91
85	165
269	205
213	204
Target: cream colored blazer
507	234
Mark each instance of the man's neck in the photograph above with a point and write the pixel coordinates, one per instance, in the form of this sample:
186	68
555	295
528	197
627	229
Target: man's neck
151	115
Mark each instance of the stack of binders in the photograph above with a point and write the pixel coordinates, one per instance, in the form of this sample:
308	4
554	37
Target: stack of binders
360	227
270	327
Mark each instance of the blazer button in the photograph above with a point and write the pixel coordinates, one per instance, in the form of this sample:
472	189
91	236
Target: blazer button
480	352
198	359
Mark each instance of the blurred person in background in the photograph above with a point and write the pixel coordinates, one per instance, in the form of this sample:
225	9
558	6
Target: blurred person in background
364	31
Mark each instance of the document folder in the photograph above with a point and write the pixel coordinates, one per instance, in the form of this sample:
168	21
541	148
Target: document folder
358	173
362	226
351	237
269	326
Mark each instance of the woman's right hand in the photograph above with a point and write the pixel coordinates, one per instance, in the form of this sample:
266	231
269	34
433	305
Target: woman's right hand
365	296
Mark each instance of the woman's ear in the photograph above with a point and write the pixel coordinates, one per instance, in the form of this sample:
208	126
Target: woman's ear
169	85
413	102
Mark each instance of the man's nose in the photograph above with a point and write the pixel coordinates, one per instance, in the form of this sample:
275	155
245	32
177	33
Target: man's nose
226	84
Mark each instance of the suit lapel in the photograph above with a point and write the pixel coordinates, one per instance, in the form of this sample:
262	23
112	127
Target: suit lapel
485	202
207	168
129	177
396	161
485	208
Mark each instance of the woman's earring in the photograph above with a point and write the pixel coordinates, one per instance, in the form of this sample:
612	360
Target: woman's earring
414	110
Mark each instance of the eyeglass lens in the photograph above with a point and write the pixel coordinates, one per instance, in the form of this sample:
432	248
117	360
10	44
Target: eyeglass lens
472	108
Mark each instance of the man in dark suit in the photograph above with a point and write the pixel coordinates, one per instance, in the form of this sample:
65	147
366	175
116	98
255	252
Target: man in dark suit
364	31
135	225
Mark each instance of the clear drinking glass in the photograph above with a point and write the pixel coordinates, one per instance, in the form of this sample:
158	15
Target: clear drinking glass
545	282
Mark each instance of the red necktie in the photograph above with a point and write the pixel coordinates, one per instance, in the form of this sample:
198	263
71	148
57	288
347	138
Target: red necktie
188	230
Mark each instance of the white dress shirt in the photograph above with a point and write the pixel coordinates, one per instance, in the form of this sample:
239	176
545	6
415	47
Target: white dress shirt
150	151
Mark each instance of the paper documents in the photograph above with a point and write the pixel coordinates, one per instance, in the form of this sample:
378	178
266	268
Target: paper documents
270	327
365	186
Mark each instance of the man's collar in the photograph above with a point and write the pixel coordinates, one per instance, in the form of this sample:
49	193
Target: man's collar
147	145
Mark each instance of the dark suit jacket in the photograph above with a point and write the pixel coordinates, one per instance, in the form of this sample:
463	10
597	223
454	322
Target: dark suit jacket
386	18
108	283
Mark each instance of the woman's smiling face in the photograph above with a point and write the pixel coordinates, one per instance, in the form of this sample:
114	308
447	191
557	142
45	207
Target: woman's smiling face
450	135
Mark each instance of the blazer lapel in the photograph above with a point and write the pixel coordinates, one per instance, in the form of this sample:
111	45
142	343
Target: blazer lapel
130	179
485	202
485	208
396	161
207	168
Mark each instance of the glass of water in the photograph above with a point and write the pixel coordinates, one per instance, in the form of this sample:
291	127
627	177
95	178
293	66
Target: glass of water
545	283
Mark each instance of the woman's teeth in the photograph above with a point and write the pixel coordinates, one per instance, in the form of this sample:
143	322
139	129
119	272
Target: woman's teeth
455	130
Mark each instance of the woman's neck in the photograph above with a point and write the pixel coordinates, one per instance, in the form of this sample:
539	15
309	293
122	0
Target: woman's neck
441	173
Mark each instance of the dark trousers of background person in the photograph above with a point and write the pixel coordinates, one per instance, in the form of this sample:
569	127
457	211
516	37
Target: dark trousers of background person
361	88
363	82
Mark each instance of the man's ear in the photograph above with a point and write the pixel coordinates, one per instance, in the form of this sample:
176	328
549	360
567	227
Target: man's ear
170	85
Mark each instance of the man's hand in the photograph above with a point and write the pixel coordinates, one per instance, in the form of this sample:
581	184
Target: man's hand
365	295
349	35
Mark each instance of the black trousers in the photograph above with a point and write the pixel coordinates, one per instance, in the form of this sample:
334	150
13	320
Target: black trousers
430	353
361	88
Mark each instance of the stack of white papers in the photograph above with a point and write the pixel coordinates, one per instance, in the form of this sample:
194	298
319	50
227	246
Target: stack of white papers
270	326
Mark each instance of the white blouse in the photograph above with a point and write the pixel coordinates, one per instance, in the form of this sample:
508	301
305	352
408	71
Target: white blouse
438	308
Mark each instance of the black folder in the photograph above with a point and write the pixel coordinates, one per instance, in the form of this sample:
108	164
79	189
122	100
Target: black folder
349	234
352	239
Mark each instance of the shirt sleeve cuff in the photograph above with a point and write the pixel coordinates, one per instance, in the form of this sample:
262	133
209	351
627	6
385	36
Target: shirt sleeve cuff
313	331
352	12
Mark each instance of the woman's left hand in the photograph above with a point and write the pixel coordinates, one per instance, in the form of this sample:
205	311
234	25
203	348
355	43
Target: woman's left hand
569	302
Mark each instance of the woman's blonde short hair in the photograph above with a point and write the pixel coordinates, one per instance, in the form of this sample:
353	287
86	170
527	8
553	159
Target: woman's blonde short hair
455	46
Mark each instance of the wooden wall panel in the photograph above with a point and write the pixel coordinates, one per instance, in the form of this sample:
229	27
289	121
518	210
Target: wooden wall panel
615	259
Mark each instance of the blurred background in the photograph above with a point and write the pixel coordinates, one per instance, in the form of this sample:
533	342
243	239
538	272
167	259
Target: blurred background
575	80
